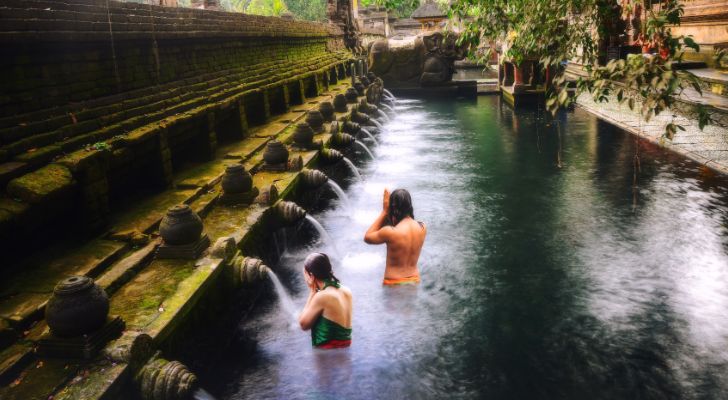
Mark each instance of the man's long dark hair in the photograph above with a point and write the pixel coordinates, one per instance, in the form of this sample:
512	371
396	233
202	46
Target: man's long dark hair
400	206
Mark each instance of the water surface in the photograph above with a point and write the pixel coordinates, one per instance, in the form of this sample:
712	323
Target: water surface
546	272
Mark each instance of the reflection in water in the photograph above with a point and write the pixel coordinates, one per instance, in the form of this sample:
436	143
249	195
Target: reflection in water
538	281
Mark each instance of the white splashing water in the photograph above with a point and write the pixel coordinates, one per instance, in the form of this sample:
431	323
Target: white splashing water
353	167
388	107
202	394
375	122
383	115
284	298
339	192
363	146
322	232
369	134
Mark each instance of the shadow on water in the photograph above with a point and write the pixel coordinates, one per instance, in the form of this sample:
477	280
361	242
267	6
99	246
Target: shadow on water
541	278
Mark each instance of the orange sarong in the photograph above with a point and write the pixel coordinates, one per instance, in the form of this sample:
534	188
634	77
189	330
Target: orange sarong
407	280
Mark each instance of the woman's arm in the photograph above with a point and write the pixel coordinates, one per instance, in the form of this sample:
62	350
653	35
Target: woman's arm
311	311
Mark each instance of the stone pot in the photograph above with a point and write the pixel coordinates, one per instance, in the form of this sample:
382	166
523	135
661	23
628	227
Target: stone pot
360	88
275	153
303	135
327	111
351	95
180	226
371	76
340	103
364	80
236	179
78	306
316	120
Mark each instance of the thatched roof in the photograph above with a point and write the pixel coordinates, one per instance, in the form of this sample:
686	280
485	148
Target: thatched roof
428	10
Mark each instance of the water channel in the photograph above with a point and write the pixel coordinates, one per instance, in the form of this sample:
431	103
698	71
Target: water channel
546	272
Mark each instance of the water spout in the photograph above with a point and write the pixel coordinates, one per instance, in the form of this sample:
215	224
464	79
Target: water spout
369	134
383	115
363	146
389	94
353	167
387	107
284	298
339	192
202	394
322	232
375	122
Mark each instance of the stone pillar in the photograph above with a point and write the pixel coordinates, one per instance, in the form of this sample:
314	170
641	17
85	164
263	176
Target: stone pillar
507	73
302	88
286	98
211	136
243	118
165	156
266	105
333	76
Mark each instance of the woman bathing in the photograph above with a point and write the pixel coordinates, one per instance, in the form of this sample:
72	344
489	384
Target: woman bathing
328	309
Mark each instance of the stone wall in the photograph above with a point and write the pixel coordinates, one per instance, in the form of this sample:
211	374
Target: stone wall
100	104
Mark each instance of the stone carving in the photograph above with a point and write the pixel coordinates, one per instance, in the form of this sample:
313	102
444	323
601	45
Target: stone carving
160	379
181	231
351	95
327	110
315	119
224	248
340	14
340	103
331	156
275	156
313	178
248	270
428	61
289	212
303	135
78	306
237	186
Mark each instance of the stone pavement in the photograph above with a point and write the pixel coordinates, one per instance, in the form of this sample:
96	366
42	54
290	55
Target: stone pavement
708	146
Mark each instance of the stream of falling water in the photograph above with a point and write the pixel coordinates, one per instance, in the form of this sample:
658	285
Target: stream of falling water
339	192
285	299
369	134
353	168
365	148
322	233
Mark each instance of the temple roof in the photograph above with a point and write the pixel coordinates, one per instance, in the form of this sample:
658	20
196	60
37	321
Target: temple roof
428	10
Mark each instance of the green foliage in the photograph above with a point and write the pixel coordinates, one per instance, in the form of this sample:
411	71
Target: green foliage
311	10
399	8
557	31
266	7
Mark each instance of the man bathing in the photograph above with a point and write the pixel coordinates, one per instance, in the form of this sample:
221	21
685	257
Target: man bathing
396	226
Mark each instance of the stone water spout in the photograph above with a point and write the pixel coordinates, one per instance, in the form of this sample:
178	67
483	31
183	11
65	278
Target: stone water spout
359	118
161	379
330	156
340	103
342	140
237	186
78	307
313	178
289	212
275	156
351	95
315	120
364	80
248	271
182	236
367	108
327	110
351	128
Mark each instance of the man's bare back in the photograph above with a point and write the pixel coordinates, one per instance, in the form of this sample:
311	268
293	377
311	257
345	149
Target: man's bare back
404	240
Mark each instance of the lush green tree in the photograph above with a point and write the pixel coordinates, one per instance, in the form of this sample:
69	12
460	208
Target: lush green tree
266	7
557	31
312	10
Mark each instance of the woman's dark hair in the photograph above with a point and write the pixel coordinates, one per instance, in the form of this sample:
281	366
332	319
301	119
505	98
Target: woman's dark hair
400	206
318	265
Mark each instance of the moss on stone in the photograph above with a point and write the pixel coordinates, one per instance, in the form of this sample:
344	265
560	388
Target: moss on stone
42	185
